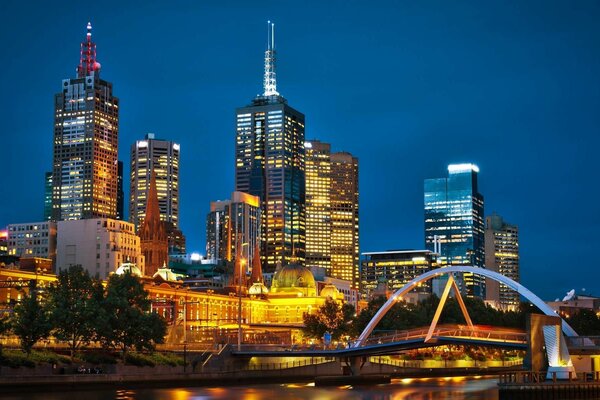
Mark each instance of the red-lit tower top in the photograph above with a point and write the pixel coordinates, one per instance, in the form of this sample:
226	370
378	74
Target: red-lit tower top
87	59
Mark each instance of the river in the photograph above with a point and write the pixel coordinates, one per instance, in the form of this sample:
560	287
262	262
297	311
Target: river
400	389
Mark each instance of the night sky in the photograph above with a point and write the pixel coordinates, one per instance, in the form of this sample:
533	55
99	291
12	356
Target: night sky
407	87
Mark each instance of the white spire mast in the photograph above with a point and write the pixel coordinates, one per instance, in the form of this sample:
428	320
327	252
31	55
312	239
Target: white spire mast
270	80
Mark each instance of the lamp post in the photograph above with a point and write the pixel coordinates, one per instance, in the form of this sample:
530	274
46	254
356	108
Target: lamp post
239	341
185	303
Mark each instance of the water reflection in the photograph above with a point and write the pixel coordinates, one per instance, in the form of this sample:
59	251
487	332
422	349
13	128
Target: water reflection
400	389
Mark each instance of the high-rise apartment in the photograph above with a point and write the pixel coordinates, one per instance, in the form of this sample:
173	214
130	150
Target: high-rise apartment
454	220
502	256
318	204
344	218
162	157
233	223
86	126
269	158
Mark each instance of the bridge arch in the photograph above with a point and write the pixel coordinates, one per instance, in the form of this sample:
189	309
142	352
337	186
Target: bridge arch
522	290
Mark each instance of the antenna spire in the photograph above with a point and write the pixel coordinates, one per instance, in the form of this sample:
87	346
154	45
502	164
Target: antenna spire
270	80
87	57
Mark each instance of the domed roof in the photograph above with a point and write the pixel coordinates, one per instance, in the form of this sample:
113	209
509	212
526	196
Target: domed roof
257	289
129	268
331	291
166	274
294	278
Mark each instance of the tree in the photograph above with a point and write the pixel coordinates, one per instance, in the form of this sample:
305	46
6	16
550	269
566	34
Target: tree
74	306
585	322
125	321
330	317
31	320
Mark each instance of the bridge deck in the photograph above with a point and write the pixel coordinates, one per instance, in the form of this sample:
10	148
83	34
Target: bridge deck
399	341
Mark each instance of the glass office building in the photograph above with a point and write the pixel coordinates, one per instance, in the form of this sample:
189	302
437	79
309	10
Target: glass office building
454	225
269	156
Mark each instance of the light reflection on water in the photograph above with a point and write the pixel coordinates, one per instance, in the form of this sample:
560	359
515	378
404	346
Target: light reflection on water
400	389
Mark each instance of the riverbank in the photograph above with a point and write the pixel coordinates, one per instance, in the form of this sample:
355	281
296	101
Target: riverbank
145	377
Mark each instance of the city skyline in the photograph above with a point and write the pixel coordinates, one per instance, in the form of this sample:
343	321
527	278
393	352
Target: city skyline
539	142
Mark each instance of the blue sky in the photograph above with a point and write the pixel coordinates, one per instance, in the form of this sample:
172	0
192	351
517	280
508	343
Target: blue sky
408	87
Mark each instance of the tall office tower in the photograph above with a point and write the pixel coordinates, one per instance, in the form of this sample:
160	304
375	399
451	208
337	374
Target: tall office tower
454	220
394	269
231	223
153	236
344	218
86	126
162	157
502	256
120	193
318	204
48	196
270	165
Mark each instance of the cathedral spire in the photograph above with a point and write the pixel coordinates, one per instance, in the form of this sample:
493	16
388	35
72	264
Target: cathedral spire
270	79
152	233
256	276
87	57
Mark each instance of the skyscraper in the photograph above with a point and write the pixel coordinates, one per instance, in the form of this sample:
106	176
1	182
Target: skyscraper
318	204
502	256
270	165
86	126
233	223
162	157
344	218
454	218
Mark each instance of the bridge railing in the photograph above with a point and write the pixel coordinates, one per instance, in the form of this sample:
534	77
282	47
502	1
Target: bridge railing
583	341
444	363
448	331
532	377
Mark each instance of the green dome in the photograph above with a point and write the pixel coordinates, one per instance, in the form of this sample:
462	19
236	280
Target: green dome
294	279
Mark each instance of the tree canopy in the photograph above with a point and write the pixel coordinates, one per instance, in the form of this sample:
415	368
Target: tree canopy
124	321
74	304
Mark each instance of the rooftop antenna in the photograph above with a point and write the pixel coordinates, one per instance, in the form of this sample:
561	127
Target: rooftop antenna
87	57
270	80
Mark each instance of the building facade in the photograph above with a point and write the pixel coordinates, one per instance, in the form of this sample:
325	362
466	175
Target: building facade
32	239
318	204
120	193
394	269
454	222
48	196
231	223
99	245
162	157
344	218
86	127
502	256
269	156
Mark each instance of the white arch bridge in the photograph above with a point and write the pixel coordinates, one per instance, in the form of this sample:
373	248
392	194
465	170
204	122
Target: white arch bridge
434	335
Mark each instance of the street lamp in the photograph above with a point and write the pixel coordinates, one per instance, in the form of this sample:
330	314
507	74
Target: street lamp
239	343
185	303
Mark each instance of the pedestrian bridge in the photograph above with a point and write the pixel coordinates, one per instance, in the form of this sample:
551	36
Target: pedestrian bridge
391	343
434	335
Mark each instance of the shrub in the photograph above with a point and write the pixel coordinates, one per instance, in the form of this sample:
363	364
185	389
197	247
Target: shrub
15	359
166	359
139	359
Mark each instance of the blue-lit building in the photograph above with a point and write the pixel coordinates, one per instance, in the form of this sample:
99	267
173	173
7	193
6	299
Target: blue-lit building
454	225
